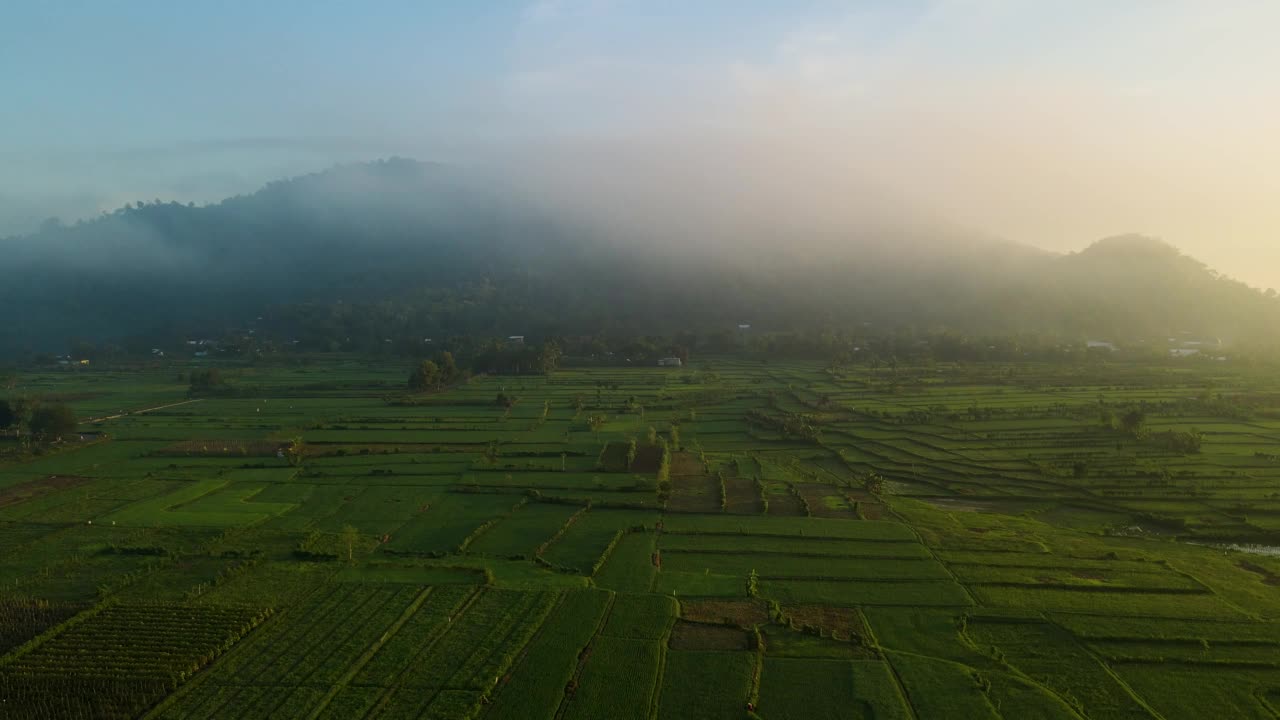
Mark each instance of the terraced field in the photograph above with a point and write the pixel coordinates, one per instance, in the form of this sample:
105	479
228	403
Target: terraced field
736	539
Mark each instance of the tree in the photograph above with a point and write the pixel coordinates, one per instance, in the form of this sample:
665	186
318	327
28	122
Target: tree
21	408
349	537
52	421
426	375
448	366
1134	422
205	379
8	416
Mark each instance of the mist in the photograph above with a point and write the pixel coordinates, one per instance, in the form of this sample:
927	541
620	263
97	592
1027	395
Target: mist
1047	124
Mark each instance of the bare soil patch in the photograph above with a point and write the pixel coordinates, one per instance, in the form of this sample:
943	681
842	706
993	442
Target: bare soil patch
698	636
694	493
842	623
741	613
685	463
741	495
786	505
31	489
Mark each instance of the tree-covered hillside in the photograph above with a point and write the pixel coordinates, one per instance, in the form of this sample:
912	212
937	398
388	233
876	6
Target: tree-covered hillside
409	249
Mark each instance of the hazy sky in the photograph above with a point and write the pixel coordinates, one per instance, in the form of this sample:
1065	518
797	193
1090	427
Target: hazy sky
1050	122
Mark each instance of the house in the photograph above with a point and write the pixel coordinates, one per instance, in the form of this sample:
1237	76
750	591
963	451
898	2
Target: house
516	339
1101	345
670	362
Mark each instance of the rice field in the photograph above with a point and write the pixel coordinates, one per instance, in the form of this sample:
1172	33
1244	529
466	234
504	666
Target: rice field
950	542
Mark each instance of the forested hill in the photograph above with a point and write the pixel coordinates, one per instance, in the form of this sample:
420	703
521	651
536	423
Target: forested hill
358	253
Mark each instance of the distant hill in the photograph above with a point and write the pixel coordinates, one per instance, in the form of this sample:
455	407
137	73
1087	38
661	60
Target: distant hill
404	247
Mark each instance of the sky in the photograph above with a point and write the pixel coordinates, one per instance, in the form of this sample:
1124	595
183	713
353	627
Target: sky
1048	122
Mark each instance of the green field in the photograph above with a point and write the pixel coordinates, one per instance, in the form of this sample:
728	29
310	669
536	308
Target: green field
952	541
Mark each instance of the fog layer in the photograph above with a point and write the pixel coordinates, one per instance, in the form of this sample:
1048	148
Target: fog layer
1048	123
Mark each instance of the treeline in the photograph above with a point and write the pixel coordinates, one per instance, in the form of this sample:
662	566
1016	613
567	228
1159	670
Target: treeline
493	357
36	421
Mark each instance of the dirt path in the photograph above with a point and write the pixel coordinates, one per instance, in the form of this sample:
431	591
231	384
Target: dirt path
139	412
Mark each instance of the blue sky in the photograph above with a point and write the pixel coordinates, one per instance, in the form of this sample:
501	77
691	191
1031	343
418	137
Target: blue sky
1052	122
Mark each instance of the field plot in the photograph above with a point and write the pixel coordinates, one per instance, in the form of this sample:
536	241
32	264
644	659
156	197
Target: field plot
618	679
446	524
117	662
795	688
1053	658
710	685
980	540
520	534
540	680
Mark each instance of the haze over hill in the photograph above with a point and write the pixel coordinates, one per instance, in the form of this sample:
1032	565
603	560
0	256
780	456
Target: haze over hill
1048	123
417	249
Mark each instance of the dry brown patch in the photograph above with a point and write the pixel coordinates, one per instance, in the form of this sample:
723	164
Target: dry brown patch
843	623
698	636
741	495
742	613
694	493
648	458
686	463
786	505
31	489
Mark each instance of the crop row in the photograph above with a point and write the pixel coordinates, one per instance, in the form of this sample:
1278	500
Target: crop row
23	619
140	641
64	697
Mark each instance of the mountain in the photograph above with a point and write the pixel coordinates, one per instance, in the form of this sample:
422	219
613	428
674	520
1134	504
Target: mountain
404	248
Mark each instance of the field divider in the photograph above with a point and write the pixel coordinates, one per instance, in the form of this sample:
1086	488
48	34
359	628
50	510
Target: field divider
52	632
394	685
360	624
202	677
488	525
1106	668
899	685
568	523
655	697
519	658
585	656
369	652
